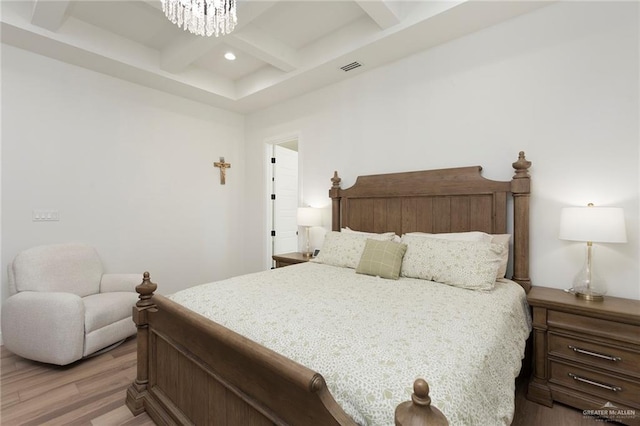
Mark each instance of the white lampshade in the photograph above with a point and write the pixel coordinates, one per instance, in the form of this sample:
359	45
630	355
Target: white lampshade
309	216
595	224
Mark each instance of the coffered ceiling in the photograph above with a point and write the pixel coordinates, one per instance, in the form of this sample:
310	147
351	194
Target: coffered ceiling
283	48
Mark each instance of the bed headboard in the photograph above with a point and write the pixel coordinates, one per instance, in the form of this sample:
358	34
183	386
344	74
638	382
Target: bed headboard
436	201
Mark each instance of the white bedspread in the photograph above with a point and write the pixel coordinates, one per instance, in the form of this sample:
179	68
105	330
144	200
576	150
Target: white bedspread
371	338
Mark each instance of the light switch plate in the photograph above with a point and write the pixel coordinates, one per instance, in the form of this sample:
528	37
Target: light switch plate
45	215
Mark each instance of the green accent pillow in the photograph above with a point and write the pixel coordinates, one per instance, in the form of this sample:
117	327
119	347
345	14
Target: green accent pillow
382	259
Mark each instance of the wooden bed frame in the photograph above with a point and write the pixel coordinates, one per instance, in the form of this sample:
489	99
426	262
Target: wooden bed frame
192	370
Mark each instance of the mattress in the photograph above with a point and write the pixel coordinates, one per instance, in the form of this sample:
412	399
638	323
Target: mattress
370	338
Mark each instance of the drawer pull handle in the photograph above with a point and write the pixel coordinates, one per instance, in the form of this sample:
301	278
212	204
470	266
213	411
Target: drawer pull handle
596	354
594	383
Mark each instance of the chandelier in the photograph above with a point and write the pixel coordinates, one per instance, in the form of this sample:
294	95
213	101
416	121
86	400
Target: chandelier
202	17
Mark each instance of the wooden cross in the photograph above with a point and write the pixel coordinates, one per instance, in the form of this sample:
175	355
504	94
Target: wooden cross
223	169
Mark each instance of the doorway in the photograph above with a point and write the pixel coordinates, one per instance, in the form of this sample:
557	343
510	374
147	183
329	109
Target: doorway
283	197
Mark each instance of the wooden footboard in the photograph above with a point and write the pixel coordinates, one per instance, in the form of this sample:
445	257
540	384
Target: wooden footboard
194	371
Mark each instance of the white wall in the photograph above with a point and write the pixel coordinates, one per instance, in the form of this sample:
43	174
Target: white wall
560	83
130	170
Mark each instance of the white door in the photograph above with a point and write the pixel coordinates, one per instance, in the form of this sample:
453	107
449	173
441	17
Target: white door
284	200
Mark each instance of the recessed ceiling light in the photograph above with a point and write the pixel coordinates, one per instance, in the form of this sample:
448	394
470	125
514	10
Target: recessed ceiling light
230	56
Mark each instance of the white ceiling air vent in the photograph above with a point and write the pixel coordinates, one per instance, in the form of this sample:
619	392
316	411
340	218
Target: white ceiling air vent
351	66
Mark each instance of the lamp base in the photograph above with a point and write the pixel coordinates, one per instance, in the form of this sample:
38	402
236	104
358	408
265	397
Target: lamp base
587	294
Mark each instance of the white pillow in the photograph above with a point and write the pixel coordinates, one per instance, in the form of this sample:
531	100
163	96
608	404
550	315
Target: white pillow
466	264
395	238
503	240
455	236
345	249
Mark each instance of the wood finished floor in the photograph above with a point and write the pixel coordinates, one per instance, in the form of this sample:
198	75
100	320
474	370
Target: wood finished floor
92	392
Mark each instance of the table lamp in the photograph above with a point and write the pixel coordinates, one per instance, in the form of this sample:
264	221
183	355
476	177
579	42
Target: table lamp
308	217
591	225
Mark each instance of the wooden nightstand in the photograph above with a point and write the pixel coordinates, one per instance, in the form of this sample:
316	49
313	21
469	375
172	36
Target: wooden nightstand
289	259
586	354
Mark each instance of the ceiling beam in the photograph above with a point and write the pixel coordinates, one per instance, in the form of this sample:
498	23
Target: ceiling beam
178	55
381	11
184	51
156	4
258	43
49	14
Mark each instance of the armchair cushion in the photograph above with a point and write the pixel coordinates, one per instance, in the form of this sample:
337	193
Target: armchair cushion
65	268
103	309
119	282
107	319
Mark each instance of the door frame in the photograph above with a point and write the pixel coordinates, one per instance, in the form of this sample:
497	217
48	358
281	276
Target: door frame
268	187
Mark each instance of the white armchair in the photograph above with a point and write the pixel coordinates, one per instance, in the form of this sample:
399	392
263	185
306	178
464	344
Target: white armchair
62	307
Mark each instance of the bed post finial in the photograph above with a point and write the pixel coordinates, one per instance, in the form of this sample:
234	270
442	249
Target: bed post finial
145	289
521	166
138	389
419	410
336	180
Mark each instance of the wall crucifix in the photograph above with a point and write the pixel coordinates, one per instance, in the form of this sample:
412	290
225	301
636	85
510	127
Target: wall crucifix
223	169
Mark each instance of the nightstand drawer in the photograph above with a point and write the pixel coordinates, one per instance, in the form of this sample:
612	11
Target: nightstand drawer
599	355
594	326
610	387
